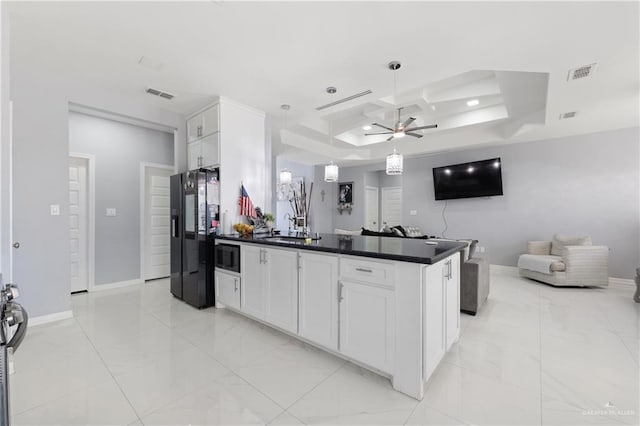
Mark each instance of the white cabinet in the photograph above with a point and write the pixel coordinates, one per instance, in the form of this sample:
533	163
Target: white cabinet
204	152
451	282
253	294
433	314
441	310
270	285
282	288
227	289
203	124
318	299
367	324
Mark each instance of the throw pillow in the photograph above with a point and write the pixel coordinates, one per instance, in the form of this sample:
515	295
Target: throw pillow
559	241
398	231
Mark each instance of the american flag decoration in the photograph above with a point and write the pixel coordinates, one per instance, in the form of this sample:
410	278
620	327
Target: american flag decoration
246	206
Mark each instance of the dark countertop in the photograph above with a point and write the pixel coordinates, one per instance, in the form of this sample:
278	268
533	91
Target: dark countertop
392	248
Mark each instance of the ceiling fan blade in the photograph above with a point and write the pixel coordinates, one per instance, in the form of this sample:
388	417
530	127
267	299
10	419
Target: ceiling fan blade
384	127
381	133
430	126
415	135
390	137
407	122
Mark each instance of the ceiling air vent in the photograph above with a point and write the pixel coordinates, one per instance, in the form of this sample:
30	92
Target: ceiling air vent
340	101
581	72
160	93
567	115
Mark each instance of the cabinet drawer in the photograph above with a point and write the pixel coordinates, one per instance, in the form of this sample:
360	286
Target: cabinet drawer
367	271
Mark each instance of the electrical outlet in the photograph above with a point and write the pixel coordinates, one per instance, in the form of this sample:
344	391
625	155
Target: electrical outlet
413	212
111	211
55	209
480	249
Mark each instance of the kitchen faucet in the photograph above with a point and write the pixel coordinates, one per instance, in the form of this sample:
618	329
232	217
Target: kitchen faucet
288	216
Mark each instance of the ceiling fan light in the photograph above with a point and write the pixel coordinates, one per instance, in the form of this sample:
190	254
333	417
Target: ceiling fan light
394	163
398	134
285	177
331	172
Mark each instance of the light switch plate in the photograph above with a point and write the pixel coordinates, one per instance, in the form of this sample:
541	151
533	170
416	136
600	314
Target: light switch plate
55	209
413	212
111	211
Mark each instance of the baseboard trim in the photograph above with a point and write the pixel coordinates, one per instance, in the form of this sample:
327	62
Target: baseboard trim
45	319
119	284
624	282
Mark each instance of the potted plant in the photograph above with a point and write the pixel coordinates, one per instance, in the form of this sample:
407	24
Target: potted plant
270	220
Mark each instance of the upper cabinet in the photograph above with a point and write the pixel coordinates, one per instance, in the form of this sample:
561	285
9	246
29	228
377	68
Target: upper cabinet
232	137
203	124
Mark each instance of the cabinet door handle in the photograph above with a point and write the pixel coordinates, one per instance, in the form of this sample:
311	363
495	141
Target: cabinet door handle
364	270
340	286
260	255
235	284
298	260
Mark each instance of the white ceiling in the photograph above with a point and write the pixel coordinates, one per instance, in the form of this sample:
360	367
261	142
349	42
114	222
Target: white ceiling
512	56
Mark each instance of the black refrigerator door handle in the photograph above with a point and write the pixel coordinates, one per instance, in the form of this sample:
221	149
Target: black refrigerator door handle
174	227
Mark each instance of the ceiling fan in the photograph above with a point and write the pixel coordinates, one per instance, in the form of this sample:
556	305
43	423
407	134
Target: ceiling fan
401	128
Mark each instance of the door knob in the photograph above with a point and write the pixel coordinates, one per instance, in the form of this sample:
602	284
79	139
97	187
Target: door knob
16	245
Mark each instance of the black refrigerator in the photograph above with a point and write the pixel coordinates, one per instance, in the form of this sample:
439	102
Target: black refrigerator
195	218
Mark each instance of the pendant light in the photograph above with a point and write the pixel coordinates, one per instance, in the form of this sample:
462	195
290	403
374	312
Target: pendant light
394	163
285	174
331	170
394	160
285	177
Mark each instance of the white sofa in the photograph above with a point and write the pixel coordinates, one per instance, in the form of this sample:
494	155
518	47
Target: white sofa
566	261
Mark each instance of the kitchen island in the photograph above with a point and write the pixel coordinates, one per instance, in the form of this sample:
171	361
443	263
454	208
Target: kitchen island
391	305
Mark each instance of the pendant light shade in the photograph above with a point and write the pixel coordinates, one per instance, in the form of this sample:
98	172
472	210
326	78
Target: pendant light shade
394	163
285	177
331	172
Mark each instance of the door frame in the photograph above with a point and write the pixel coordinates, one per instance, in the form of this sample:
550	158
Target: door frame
91	219
143	223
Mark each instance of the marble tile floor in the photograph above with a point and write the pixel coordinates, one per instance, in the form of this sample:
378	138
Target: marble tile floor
534	355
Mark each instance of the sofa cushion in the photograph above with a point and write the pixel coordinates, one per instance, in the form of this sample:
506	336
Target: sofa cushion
559	241
544	264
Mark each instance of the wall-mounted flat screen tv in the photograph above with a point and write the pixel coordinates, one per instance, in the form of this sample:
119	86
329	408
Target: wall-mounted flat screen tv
468	180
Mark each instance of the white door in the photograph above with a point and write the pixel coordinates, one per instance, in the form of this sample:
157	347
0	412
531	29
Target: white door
392	206
367	324
253	293
156	223
318	299
78	223
371	208
282	299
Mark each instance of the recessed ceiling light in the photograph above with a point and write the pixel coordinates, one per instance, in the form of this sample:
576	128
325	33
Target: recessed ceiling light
366	127
433	107
473	102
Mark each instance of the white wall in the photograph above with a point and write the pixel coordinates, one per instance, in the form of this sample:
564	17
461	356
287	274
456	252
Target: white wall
577	185
5	154
40	164
119	148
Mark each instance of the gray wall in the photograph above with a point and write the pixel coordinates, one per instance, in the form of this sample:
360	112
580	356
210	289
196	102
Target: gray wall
119	149
586	184
41	177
